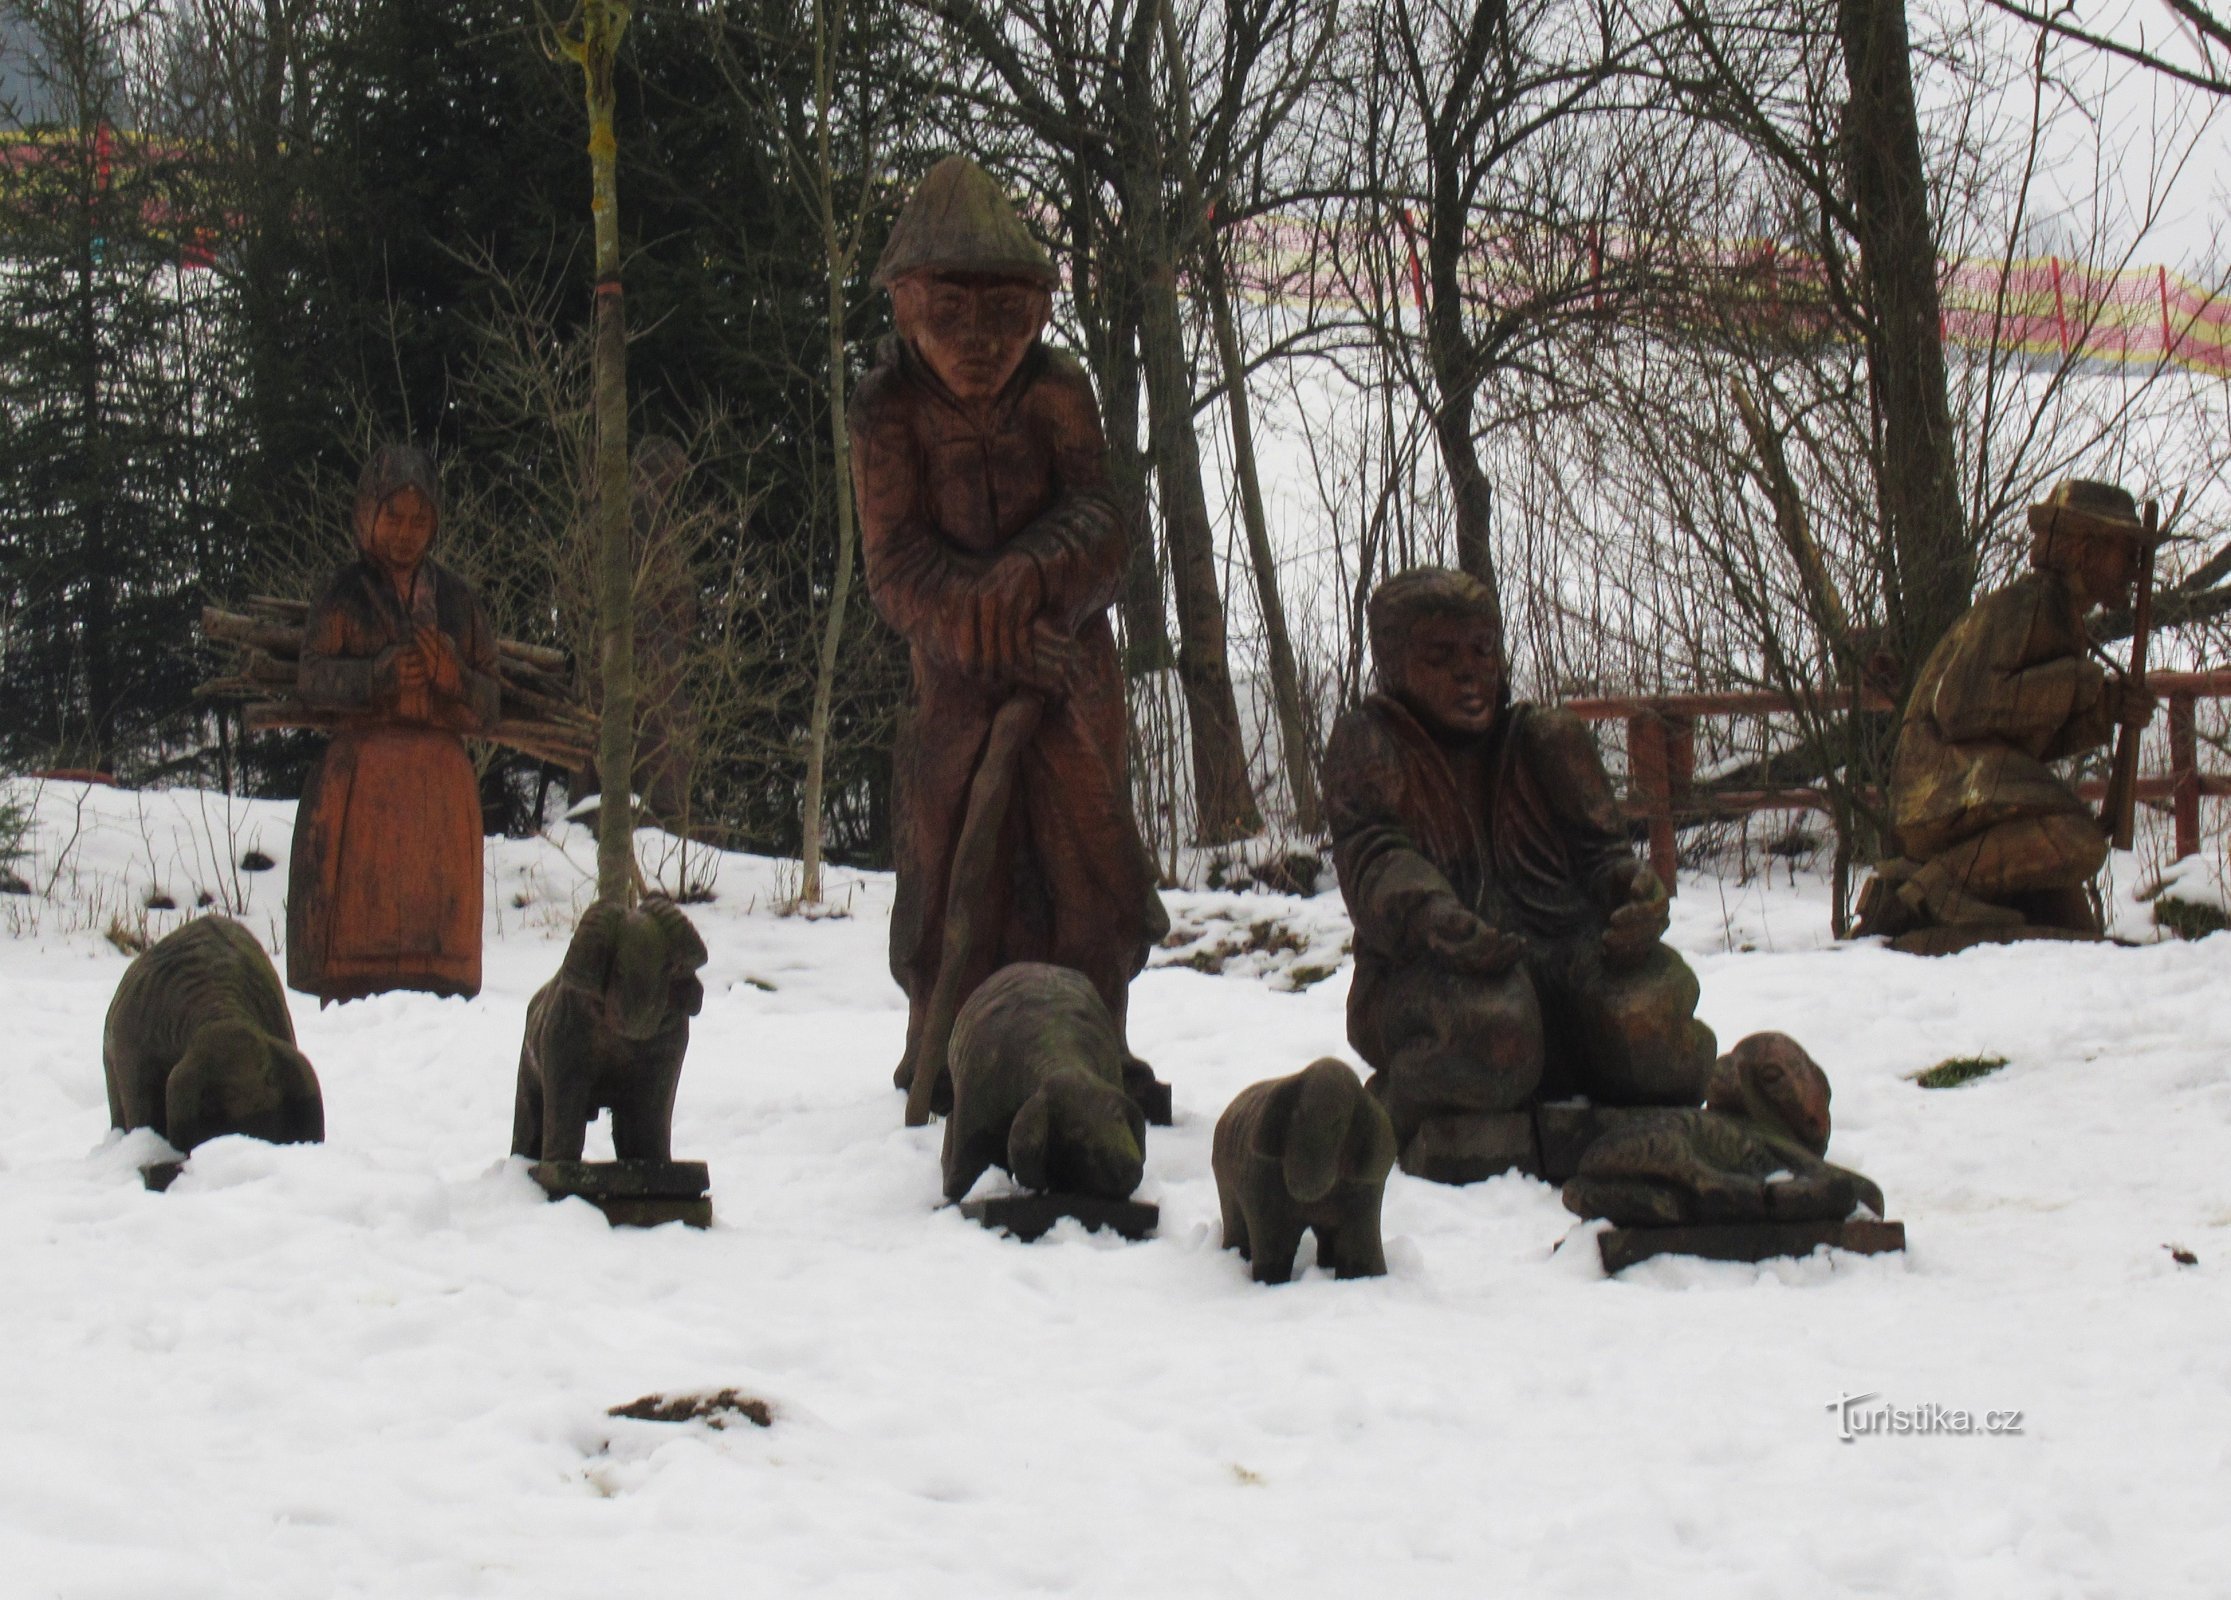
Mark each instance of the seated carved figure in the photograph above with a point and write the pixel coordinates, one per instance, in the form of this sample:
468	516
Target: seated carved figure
1752	1155
1994	844
1507	940
198	1043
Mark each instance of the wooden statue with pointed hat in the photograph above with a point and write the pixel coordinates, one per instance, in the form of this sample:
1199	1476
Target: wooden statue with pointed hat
384	888
994	544
1994	844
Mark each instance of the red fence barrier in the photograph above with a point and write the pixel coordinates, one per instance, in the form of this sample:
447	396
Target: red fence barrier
1661	757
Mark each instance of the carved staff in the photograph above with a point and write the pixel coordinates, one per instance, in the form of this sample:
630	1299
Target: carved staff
973	858
2122	779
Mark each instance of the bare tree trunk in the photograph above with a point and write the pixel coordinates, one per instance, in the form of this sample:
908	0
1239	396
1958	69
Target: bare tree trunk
836	256
1936	561
596	48
1293	738
1223	803
1285	676
1456	379
1146	622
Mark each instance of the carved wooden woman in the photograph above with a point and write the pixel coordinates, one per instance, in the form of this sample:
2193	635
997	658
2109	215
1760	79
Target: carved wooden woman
384	890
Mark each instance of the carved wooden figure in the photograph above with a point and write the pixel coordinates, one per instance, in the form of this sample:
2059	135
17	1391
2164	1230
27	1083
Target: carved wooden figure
198	1043
1038	1089
1994	845
384	888
609	1032
1752	1155
1508	944
1310	1152
994	544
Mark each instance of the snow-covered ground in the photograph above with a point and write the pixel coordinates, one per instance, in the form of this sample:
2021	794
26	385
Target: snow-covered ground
382	1366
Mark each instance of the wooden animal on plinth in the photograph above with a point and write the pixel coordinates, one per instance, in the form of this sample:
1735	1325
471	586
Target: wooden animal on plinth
1311	1151
609	1032
1752	1155
1037	1067
198	1043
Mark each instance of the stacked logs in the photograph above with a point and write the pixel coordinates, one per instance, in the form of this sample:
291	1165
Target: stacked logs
540	715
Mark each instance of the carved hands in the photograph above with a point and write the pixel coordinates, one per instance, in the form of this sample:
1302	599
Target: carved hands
1463	942
1638	918
1017	644
2127	704
428	662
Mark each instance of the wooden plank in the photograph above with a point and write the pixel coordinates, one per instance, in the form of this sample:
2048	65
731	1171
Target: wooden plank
1756	1241
1032	1216
631	1180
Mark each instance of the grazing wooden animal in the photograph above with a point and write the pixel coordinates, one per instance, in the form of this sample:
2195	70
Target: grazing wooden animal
1037	1067
609	1032
198	1043
1752	1155
1311	1151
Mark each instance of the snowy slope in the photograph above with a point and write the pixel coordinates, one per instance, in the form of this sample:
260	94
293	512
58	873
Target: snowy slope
382	1366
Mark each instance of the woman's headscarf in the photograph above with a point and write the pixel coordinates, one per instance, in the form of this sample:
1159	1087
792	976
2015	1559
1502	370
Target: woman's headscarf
392	469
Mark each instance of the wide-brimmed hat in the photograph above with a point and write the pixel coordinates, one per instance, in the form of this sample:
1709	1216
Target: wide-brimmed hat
958	220
2085	508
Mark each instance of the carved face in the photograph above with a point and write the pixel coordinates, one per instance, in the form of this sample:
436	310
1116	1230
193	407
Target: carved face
2097	567
640	997
972	331
402	531
1078	1136
1450	672
235	1079
1783	1086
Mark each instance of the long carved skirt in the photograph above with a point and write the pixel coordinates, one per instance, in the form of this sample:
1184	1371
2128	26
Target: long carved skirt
384	887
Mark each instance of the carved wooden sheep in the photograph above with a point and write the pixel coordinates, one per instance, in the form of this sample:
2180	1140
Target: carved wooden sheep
1037	1069
199	1043
1752	1155
609	1032
1311	1151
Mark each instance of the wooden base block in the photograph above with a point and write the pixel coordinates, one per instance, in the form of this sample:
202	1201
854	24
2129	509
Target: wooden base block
1747	1241
1029	1216
1952	939
1466	1147
160	1175
633	1194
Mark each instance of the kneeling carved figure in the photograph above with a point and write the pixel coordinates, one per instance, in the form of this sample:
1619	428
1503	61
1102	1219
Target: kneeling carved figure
609	1032
1311	1151
1037	1066
199	1043
1753	1154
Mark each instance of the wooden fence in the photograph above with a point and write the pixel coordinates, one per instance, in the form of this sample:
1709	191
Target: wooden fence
1661	757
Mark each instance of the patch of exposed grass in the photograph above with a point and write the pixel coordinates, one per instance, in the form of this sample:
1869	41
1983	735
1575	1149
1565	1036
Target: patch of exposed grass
2189	919
1951	1073
714	1410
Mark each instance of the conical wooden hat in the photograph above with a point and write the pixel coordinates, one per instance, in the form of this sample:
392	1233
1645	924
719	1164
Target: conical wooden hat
957	220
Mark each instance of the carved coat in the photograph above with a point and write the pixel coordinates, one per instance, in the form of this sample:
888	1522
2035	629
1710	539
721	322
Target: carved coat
2008	689
384	887
1540	849
943	489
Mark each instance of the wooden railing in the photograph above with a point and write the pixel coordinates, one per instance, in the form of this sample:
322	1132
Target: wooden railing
1661	756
